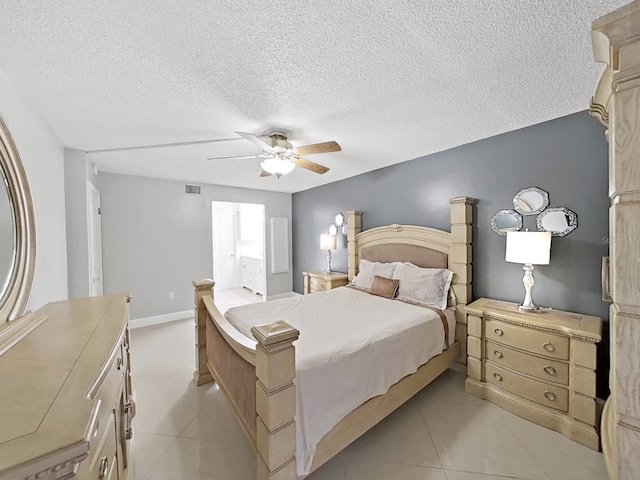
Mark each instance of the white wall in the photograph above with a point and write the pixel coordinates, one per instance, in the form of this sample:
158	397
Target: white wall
42	155
156	239
78	170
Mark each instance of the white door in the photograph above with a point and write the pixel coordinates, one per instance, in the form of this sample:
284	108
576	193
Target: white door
224	242
94	237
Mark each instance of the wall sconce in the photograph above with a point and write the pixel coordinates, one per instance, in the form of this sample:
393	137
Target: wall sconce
339	223
328	243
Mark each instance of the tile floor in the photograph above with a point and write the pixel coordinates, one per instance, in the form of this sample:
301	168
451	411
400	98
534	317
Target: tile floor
188	432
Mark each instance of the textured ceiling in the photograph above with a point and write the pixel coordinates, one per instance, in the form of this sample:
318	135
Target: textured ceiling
389	80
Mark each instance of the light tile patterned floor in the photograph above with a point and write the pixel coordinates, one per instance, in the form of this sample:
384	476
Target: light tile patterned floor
188	432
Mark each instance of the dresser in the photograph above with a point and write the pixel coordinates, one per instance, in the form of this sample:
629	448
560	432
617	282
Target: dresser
320	281
538	365
66	404
252	274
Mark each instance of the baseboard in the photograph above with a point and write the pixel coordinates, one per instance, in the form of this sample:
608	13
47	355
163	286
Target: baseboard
283	295
158	319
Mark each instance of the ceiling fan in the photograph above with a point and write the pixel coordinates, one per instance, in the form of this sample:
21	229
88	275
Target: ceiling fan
280	157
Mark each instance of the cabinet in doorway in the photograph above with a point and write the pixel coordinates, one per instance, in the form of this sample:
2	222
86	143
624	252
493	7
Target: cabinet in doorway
253	274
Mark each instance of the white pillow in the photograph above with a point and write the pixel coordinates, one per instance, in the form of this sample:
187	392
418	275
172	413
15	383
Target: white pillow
367	270
365	274
426	285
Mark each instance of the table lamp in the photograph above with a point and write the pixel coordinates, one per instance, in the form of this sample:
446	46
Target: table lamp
528	248
328	243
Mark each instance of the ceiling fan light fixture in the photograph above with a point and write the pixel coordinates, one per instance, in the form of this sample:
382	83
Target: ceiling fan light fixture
277	166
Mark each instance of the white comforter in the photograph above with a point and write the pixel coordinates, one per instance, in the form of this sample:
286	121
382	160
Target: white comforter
352	347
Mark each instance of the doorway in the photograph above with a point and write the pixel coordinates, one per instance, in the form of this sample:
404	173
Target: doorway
94	233
238	233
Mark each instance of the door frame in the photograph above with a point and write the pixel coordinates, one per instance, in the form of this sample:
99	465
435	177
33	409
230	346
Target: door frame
94	232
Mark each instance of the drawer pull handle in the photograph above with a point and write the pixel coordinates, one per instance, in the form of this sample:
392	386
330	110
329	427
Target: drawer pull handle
104	465
498	332
498	354
497	376
550	395
548	347
549	370
119	363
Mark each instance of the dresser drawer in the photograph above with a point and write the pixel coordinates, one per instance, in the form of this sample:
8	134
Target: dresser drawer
543	368
104	465
541	343
536	391
318	284
106	391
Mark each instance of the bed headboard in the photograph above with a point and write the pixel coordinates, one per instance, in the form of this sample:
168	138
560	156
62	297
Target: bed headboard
422	246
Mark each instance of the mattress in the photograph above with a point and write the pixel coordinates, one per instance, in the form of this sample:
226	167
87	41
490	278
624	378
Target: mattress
346	334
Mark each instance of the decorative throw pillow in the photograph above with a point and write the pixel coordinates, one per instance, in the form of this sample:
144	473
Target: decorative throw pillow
426	285
384	287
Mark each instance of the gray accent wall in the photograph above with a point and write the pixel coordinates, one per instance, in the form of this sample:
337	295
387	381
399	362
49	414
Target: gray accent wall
156	239
566	156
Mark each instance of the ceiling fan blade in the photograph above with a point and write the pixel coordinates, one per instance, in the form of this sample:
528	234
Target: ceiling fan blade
314	167
265	174
325	147
255	140
241	156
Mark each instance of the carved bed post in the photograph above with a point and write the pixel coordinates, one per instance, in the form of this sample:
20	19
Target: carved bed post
203	288
354	227
275	400
460	263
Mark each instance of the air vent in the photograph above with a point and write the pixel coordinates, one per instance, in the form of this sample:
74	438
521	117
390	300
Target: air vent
192	189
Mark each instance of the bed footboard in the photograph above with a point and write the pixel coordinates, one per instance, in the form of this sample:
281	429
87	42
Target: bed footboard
236	363
276	400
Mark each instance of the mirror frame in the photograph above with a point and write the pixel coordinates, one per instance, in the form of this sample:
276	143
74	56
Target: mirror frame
572	217
513	213
339	219
545	201
14	300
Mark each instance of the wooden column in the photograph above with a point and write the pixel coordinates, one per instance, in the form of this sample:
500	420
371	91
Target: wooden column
203	288
275	400
460	264
616	42
354	227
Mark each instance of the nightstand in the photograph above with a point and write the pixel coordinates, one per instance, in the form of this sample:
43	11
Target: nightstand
539	365
320	281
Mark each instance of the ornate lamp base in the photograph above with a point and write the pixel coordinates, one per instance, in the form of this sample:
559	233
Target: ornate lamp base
328	270
529	282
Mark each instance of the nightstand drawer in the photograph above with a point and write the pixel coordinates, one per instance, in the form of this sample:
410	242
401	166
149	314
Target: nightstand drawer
318	284
539	392
543	368
541	343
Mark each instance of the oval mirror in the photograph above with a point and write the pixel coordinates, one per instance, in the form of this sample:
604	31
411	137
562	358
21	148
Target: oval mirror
506	221
17	232
560	221
530	201
7	235
333	230
339	219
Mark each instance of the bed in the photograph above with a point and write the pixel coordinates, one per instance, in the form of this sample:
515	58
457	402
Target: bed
256	372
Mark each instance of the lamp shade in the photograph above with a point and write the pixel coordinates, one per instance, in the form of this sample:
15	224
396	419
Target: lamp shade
528	247
277	166
327	242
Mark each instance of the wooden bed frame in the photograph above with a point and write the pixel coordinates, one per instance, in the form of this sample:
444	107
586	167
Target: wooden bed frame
257	376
